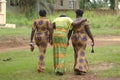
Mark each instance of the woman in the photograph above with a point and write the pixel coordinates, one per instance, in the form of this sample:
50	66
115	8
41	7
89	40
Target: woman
62	25
41	32
79	42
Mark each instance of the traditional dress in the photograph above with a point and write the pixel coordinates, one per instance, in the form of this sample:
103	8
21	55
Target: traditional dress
60	40
79	41
42	30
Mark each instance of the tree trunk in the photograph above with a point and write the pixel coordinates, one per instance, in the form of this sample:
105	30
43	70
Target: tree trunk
116	6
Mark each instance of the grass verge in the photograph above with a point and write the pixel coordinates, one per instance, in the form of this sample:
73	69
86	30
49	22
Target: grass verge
23	64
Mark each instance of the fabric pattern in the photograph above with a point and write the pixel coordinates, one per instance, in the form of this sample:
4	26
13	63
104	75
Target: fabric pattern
42	30
79	41
63	25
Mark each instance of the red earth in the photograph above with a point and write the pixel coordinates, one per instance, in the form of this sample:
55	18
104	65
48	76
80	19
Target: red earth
14	43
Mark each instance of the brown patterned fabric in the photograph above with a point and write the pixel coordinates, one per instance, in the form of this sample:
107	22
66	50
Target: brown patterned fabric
42	27
79	41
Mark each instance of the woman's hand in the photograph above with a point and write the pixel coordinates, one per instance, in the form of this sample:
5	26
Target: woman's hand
31	46
51	42
92	43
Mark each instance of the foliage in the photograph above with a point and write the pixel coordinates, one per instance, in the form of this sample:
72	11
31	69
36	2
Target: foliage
50	1
28	7
112	4
83	3
96	4
87	4
25	6
19	19
47	5
109	22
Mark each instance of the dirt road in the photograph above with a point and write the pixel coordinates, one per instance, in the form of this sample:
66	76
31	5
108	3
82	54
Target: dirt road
19	43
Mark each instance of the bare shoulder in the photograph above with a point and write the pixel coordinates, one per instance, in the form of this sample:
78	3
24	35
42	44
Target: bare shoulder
85	21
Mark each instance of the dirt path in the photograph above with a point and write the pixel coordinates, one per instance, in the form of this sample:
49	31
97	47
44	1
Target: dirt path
18	43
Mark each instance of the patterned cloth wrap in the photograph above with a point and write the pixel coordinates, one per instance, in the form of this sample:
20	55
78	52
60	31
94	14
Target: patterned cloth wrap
63	25
42	28
79	41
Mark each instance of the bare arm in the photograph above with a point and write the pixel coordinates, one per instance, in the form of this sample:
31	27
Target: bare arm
32	35
69	34
31	40
49	27
50	35
79	22
89	34
53	26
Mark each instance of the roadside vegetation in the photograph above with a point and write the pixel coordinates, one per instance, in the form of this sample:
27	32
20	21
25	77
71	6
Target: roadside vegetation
100	24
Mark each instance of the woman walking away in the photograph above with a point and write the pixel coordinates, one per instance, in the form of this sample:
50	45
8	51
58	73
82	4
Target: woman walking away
79	42
62	26
41	32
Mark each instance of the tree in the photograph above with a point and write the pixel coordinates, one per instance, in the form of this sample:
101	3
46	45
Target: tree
112	4
83	3
93	4
116	4
28	7
47	5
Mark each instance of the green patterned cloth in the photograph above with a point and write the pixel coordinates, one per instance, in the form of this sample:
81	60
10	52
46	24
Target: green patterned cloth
63	25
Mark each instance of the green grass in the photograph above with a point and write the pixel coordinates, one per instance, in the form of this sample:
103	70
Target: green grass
19	19
20	31
105	31
26	31
100	24
104	55
24	64
96	20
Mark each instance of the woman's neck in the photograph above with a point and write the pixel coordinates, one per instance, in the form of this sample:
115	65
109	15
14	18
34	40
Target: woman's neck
78	17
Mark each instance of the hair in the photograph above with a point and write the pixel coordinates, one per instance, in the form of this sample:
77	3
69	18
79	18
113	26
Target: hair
63	15
42	13
79	12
